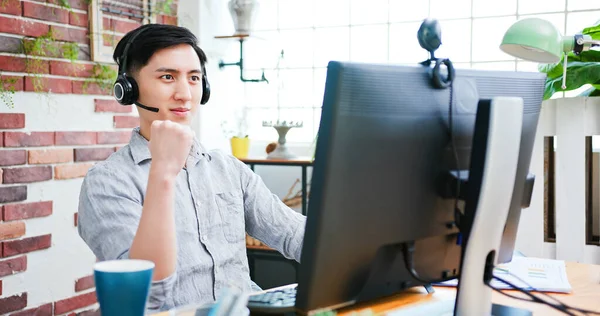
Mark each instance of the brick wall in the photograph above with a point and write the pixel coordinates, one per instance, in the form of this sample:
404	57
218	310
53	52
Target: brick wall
56	125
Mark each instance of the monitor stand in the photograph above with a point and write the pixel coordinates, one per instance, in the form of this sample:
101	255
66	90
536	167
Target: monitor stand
494	160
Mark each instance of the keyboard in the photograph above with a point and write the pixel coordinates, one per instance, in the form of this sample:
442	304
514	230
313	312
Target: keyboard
273	301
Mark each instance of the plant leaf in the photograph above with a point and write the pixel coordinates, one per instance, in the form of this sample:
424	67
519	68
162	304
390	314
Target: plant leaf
578	74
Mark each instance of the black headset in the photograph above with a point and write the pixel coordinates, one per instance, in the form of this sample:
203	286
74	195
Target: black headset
126	89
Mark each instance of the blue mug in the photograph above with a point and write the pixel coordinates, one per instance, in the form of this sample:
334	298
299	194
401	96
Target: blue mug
123	286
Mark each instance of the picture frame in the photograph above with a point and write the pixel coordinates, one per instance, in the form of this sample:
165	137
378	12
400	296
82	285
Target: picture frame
103	39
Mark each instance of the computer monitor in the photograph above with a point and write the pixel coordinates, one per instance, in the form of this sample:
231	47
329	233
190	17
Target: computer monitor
383	146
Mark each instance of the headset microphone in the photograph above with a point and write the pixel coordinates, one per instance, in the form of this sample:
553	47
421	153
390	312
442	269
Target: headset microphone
145	107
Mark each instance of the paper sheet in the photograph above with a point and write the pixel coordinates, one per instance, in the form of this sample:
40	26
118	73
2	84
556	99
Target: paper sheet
545	275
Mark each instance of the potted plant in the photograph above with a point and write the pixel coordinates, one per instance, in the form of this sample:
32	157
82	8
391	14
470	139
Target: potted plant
237	134
582	69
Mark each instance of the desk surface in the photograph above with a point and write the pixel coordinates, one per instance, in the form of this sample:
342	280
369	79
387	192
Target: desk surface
300	161
584	279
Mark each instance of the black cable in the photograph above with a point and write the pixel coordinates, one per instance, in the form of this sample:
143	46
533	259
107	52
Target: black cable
560	306
408	248
533	297
454	152
554	298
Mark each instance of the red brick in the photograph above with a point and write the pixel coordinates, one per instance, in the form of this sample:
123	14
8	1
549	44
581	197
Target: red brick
114	137
22	27
12	7
25	245
13	194
168	19
35	29
12	120
48	156
12	157
73	303
126	121
106	23
102	105
1	139
62	68
13	265
12	230
27	210
78	19
75	138
110	40
43	310
23	139
12	63
84	283
87	87
13	83
44	12
93	154
122	26
69	34
0	287
27	174
75	219
13	303
43	84
79	170
74	4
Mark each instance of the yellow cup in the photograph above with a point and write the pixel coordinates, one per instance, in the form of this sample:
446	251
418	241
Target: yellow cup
240	147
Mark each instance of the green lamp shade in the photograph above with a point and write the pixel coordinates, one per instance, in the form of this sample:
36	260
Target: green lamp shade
533	39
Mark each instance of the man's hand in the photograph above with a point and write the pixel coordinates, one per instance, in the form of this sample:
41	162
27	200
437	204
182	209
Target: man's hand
155	239
170	145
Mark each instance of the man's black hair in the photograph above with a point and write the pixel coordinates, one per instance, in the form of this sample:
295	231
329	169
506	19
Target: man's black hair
155	37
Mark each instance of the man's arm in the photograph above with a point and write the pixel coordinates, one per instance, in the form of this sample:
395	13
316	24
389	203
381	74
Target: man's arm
155	238
116	226
268	219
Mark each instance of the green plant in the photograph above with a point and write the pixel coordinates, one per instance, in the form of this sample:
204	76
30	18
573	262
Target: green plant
7	91
102	75
70	51
45	46
582	69
164	7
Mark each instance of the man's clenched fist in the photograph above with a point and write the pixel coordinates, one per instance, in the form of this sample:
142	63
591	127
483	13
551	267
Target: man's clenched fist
170	145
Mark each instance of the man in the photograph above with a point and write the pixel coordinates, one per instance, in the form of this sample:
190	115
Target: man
166	199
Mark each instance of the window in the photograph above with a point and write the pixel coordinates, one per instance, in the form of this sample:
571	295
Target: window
312	32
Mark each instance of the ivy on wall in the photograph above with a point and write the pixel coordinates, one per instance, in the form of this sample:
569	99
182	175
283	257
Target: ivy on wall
46	45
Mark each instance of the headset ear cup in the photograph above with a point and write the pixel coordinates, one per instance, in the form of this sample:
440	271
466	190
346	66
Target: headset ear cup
436	76
129	89
205	90
134	90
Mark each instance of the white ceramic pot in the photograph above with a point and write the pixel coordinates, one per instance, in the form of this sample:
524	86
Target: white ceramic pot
243	13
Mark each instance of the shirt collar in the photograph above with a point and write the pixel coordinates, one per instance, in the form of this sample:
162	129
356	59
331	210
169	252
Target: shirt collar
140	151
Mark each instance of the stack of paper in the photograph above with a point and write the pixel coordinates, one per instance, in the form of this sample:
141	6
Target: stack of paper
545	275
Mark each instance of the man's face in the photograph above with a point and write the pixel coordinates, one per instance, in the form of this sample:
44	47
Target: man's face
171	82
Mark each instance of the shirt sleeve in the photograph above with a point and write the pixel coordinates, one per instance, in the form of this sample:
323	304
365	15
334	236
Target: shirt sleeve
268	219
108	217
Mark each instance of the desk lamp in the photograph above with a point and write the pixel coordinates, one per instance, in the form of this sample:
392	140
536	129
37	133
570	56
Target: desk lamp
537	40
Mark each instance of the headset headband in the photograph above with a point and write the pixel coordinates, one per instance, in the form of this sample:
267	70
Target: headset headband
123	61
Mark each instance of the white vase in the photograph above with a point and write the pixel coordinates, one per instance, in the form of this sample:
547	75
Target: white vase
243	13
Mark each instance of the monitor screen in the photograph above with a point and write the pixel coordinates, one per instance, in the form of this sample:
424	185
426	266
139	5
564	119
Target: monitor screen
383	145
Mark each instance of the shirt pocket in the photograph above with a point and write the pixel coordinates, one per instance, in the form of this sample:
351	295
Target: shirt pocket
231	209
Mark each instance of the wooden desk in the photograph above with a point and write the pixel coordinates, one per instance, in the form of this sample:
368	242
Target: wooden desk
584	279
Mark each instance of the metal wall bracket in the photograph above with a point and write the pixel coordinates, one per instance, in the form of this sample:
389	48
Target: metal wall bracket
240	63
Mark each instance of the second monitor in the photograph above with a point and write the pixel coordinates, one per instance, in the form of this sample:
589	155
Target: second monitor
383	146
